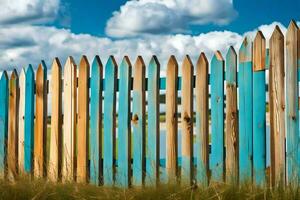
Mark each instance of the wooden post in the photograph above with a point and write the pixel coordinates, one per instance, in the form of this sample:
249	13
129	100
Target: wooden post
55	154
171	119
231	123
40	136
12	144
202	118
3	122
245	80
217	117
70	104
83	120
29	120
259	109
21	117
292	105
138	122
124	132
109	151
96	122
277	107
152	165
187	121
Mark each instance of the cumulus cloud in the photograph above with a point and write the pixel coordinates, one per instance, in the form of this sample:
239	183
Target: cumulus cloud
167	16
28	11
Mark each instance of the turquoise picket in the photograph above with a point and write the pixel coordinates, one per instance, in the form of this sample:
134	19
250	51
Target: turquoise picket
152	147
217	117
245	77
109	121
96	122
124	135
138	122
3	121
29	119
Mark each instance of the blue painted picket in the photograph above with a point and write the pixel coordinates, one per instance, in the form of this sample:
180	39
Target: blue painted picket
3	121
245	77
124	132
96	122
29	119
217	117
109	121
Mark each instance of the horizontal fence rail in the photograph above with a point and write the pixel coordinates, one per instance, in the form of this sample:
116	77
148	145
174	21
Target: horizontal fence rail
220	127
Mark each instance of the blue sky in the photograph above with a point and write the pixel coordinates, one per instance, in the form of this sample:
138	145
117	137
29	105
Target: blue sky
34	30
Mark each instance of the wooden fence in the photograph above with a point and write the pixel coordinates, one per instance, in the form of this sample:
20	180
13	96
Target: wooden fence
224	113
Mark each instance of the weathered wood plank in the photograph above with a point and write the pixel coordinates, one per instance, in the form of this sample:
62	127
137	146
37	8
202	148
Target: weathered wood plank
40	135
202	118
187	122
12	143
171	119
152	165
70	104
217	117
83	120
231	121
21	117
292	105
3	122
96	134
277	107
245	80
55	152
259	109
138	122
29	120
109	151
124	128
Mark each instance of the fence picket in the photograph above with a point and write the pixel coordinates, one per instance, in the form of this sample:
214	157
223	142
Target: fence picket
259	109
152	163
171	119
202	118
70	94
21	119
231	121
96	122
138	122
187	121
109	151
217	117
3	122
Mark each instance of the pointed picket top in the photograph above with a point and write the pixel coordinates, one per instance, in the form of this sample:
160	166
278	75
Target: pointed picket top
4	76
29	69
97	64
14	75
202	60
70	62
140	61
42	69
218	56
154	61
56	64
245	51
187	61
84	62
231	52
292	26
292	32
172	62
125	62
259	52
277	34
231	62
111	62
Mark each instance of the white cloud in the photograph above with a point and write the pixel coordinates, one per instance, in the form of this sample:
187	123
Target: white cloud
167	16
28	11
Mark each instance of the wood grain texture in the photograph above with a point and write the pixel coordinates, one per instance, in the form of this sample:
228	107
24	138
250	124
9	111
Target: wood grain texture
187	121
231	121
217	117
40	134
83	121
55	150
245	80
109	150
70	105
3	122
152	163
259	110
12	143
292	105
96	169
171	119
277	107
202	120
138	122
21	117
